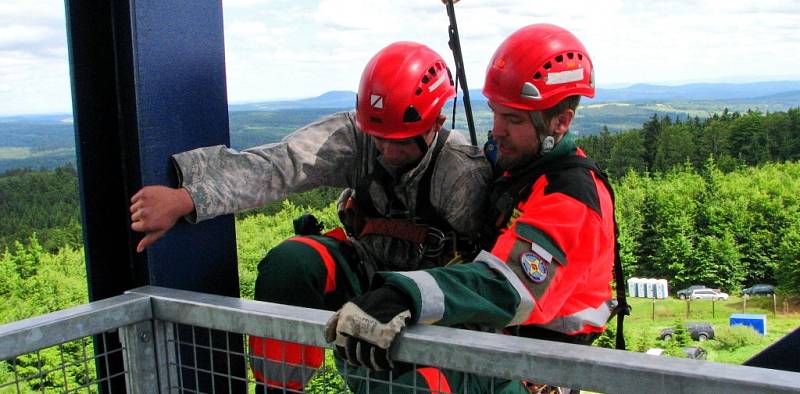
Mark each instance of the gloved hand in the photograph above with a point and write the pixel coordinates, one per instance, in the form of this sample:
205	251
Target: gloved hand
364	329
307	225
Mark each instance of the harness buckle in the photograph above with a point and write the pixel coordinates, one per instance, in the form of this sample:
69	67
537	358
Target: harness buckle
432	244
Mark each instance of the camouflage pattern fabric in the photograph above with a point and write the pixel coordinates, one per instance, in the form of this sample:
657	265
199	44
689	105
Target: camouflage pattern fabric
333	152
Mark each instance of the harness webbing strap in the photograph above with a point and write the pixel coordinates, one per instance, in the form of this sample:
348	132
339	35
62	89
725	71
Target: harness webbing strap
424	209
403	229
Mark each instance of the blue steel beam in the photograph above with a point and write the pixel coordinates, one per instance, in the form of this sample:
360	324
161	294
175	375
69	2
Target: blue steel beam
148	81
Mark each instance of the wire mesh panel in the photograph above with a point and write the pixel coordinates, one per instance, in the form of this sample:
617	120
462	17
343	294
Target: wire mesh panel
178	341
495	363
202	360
70	367
275	366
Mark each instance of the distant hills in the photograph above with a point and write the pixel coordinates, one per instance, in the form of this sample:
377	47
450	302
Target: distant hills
698	91
332	99
639	93
48	140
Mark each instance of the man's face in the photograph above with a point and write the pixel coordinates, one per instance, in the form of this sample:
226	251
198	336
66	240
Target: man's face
399	153
516	138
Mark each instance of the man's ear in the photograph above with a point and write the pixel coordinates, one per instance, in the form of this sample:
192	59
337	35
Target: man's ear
440	122
560	123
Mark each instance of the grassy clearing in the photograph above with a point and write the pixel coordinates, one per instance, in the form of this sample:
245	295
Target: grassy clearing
17	152
14	152
648	318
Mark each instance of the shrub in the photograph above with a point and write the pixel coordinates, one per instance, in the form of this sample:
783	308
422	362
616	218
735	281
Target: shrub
327	380
643	341
607	339
732	338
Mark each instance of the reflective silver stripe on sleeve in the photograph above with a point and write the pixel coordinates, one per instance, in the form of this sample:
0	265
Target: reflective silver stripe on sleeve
431	296
526	301
596	317
282	372
542	252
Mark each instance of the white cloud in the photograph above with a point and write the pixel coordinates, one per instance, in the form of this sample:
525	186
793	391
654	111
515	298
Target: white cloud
34	73
301	48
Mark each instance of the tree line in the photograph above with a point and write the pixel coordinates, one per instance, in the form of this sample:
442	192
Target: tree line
725	230
732	140
706	201
689	225
40	201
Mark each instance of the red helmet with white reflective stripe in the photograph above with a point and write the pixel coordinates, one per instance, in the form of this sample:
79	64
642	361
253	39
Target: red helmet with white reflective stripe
402	91
537	67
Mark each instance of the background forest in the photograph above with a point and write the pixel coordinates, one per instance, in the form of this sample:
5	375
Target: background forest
713	201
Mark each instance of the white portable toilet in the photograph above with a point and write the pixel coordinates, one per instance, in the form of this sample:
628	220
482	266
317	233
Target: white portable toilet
632	286
650	285
641	287
659	289
664	287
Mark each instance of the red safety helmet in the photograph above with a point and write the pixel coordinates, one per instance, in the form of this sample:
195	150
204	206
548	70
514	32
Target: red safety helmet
402	91
537	67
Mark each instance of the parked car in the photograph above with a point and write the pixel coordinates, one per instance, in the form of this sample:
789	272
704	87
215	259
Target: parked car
708	294
698	331
759	289
684	293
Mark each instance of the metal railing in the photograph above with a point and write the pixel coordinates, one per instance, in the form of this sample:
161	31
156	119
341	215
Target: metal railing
164	332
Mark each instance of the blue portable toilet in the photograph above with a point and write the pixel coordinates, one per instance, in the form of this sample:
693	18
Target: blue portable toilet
756	321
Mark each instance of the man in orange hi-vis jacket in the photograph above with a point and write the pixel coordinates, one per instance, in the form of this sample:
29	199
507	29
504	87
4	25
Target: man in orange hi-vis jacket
550	237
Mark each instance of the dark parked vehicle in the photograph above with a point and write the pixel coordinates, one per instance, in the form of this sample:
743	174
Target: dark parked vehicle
759	289
684	294
698	331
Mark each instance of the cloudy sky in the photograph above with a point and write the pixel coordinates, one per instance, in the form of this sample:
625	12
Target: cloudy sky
322	45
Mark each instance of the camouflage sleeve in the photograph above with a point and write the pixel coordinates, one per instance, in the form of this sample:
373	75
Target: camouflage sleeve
221	180
460	186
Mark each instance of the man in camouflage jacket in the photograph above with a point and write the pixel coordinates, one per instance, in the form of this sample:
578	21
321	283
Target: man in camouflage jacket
413	197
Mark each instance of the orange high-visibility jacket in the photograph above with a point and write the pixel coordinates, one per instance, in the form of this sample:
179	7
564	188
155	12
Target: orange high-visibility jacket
550	267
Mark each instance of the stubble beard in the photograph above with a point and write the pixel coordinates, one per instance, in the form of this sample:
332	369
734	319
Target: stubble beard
510	163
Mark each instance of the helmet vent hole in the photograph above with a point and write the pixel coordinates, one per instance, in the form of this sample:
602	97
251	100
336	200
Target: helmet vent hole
547	66
432	71
425	79
537	75
559	58
375	119
580	57
411	115
570	55
418	92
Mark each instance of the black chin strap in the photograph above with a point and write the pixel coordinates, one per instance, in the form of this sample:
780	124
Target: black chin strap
422	144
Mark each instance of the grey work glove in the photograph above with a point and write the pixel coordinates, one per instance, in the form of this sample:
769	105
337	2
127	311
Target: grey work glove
365	328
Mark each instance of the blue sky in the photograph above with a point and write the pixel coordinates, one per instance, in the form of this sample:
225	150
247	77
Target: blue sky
302	48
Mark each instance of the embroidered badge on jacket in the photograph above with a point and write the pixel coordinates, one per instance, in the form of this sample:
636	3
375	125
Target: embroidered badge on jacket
533	266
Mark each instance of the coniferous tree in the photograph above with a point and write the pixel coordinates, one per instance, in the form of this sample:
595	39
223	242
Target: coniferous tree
651	130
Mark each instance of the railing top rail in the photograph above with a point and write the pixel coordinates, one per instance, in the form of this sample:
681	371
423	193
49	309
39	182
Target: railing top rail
29	335
589	368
